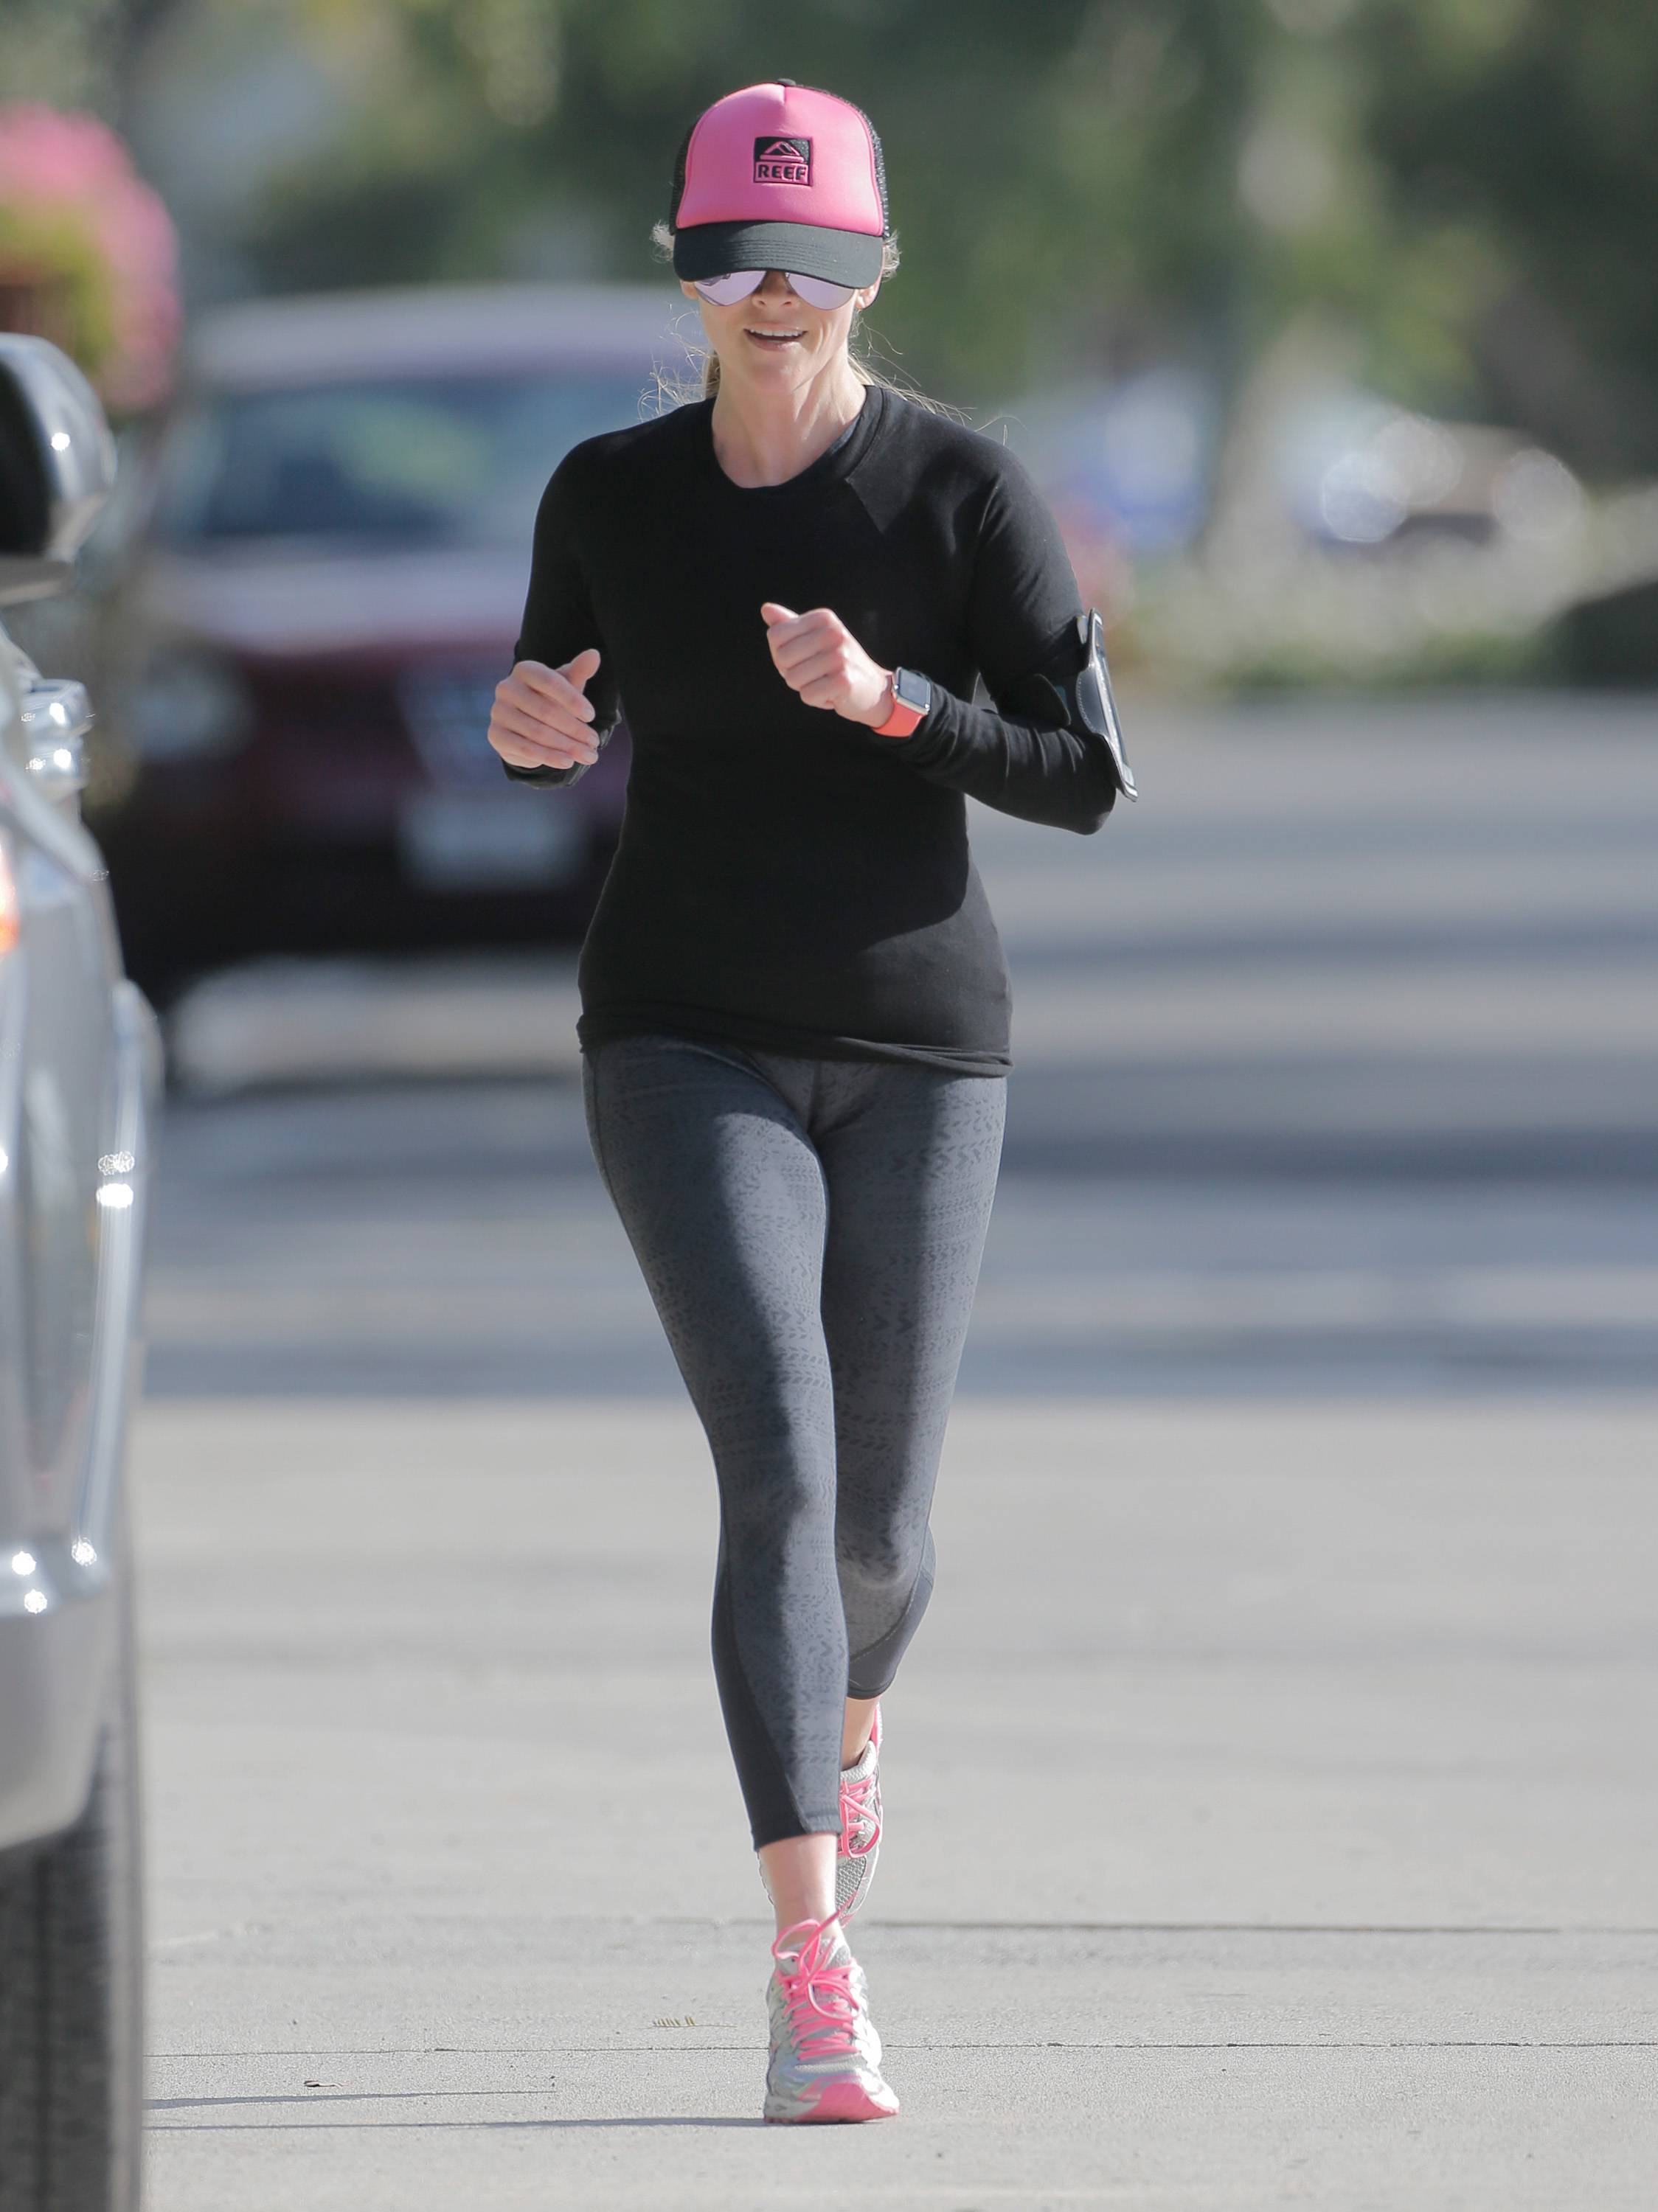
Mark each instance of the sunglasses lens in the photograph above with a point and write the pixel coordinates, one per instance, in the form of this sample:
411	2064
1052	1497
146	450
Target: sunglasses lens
819	292
816	291
725	291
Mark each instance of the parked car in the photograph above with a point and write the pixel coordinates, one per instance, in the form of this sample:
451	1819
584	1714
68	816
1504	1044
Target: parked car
330	574
79	1079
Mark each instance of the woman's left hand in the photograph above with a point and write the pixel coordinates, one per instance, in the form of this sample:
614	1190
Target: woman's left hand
819	657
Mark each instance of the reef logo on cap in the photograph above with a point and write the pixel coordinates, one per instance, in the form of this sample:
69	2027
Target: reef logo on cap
783	160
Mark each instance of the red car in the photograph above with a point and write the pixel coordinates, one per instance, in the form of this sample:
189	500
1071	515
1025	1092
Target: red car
327	579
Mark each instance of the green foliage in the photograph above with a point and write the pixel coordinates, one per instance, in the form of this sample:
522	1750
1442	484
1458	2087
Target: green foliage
57	245
1531	123
1470	185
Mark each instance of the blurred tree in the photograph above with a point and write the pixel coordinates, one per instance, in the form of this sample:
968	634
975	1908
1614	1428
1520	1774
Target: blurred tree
1060	174
80	53
1466	188
1534	124
1467	185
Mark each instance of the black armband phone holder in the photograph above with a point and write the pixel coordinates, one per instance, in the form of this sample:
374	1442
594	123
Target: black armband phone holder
1082	694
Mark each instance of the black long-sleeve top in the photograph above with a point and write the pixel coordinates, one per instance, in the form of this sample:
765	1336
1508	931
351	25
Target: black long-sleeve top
785	879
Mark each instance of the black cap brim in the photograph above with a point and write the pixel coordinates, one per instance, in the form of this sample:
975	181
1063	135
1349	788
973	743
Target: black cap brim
839	257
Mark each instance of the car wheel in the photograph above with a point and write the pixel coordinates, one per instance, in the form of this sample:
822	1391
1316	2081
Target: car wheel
71	1999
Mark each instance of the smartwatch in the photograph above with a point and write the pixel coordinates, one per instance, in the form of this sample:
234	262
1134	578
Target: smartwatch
913	695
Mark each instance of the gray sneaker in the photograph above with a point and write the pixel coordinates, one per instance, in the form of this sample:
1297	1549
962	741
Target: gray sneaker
860	1827
824	2061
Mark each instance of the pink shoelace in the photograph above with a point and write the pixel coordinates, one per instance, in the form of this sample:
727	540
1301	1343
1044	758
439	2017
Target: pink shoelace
856	1812
818	1998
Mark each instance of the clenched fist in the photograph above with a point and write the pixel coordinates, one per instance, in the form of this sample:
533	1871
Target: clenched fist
818	656
539	718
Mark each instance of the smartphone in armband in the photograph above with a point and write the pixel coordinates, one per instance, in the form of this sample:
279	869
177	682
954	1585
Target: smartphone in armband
1095	706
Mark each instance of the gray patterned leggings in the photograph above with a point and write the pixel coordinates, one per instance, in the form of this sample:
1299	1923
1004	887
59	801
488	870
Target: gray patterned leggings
810	1231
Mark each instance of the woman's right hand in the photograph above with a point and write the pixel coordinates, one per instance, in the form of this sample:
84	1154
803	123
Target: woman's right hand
539	718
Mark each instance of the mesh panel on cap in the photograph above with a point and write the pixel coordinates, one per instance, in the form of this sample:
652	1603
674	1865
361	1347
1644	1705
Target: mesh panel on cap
875	143
678	177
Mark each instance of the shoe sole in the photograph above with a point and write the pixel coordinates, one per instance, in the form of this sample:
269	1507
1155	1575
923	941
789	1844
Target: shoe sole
840	2101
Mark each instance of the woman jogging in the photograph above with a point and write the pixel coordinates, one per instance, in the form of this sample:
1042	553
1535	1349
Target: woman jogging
794	1023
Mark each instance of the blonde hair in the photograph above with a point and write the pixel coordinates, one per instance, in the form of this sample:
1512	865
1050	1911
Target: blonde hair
673	390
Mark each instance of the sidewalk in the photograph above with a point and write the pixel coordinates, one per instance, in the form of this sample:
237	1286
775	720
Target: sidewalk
1270	1816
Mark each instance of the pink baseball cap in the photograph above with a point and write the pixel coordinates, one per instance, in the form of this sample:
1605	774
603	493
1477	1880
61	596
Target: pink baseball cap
780	176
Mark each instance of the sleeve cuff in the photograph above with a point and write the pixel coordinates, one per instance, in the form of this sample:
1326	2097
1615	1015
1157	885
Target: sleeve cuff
535	775
917	746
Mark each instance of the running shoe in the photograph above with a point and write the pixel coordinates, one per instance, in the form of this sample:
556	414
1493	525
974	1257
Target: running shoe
824	2061
860	1827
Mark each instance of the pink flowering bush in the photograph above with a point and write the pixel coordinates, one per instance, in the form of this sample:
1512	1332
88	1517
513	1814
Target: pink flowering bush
88	257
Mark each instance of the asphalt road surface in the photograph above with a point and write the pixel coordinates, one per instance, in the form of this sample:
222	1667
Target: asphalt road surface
1268	1796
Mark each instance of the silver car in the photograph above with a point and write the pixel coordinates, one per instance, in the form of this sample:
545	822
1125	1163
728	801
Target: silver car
80	1084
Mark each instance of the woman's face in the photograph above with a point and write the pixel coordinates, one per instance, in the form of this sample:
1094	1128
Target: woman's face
773	339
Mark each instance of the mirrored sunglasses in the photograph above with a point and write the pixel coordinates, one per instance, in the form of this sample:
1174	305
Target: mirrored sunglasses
816	291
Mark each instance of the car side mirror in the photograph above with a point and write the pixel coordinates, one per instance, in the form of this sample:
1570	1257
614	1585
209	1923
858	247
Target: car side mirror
57	466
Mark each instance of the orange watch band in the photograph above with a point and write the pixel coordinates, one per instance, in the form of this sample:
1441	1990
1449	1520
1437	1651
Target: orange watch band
902	720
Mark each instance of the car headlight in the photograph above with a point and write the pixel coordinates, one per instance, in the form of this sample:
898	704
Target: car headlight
186	704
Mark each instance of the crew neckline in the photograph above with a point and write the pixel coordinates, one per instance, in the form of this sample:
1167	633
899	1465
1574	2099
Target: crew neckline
833	461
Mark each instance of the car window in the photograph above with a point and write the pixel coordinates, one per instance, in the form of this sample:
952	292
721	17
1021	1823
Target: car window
452	460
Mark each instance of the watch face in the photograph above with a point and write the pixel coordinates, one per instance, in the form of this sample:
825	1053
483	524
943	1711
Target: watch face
910	690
